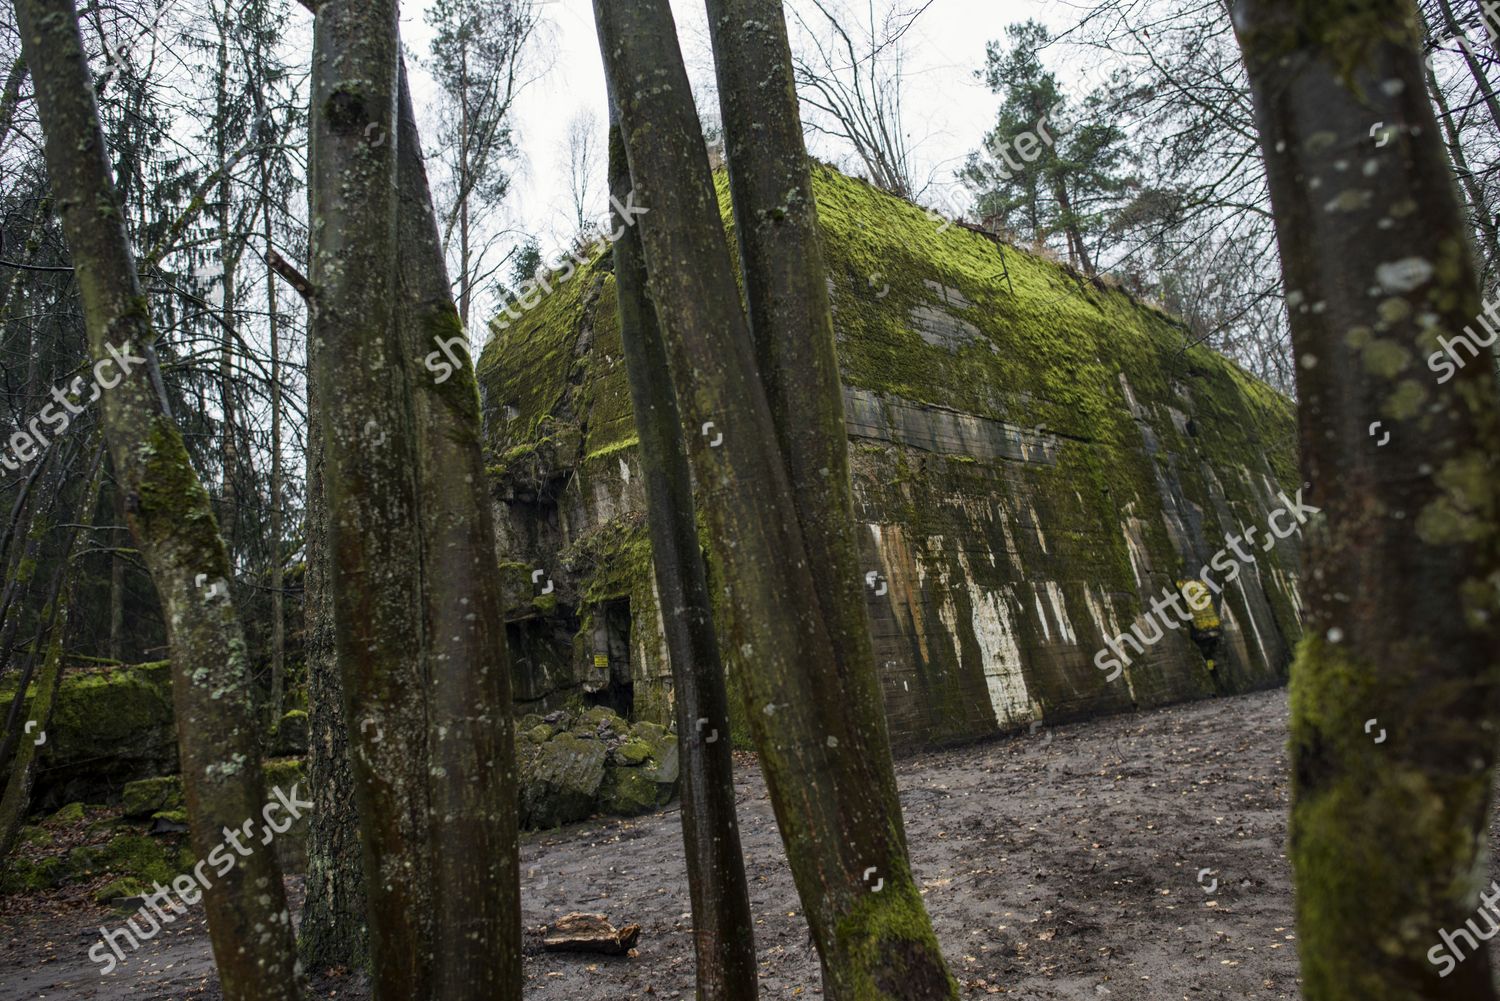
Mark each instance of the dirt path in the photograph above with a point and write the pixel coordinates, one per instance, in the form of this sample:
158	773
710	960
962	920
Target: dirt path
1063	865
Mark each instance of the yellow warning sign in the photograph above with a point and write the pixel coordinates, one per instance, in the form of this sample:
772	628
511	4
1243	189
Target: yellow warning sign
601	660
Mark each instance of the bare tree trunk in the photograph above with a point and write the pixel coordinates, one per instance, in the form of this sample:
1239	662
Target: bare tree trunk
1478	202
9	96
121	539
465	272
229	261
844	843
1484	219
781	252
369	485
333	930
171	517
1387	839
278	554
723	927
476	865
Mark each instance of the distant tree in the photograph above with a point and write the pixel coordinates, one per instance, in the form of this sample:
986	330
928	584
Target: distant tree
850	73
583	149
1045	168
480	59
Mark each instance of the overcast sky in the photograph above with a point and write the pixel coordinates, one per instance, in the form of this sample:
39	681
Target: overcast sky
947	109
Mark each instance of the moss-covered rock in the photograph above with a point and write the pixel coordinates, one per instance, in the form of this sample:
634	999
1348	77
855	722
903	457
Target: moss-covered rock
65	816
124	889
285	773
135	855
627	792
291	733
109	726
23	875
560	783
144	797
632	752
600	721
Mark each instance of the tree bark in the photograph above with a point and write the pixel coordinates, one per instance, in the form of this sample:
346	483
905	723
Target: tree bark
791	321
844	844
723	927
172	520
10	96
278	558
333	930
476	864
369	485
1386	838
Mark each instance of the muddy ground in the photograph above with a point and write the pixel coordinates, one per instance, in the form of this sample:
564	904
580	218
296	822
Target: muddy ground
1060	865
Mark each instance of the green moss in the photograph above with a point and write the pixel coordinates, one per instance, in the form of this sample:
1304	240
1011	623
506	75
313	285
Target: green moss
626	792
632	752
68	815
124	855
23	875
888	941
117	889
1350	862
284	773
145	796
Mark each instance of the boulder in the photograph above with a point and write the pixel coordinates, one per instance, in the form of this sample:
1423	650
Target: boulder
559	784
627	792
291	733
144	797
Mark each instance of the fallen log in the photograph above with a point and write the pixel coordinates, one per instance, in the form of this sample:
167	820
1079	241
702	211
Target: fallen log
577	932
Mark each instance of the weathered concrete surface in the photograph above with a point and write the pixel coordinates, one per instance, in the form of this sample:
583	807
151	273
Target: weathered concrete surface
1033	461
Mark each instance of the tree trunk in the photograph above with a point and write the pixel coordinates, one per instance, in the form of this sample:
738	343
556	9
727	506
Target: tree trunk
1386	838
333	930
10	96
278	558
121	539
369	485
172	520
476	864
723	927
229	261
844	844
786	290
1483	218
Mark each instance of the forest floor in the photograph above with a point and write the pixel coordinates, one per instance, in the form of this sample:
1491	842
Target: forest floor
1059	865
